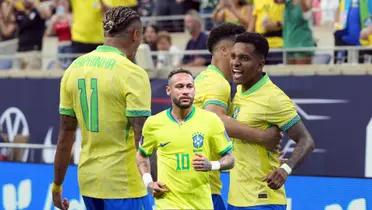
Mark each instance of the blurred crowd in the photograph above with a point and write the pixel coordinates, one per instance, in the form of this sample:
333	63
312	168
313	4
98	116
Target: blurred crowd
285	23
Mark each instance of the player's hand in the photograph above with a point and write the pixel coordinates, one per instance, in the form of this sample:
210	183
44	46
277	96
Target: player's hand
276	179
271	138
57	201
158	189
201	163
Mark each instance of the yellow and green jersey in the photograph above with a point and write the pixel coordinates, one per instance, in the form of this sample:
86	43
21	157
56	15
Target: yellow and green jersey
202	132
102	89
211	87
262	106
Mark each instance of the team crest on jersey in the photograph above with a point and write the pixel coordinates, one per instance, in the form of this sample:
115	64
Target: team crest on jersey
236	112
198	140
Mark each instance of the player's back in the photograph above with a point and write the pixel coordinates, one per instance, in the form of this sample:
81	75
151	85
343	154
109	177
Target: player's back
98	86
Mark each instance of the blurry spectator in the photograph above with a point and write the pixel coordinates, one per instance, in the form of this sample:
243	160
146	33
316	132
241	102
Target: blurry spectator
166	8
150	36
349	33
198	41
145	7
31	27
296	30
207	7
87	24
267	19
233	11
190	5
7	21
328	11
169	55
365	56
60	25
7	30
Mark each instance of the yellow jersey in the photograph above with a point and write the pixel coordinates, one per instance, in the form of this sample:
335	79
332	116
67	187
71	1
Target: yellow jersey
229	17
202	132
87	26
261	106
102	89
268	9
211	87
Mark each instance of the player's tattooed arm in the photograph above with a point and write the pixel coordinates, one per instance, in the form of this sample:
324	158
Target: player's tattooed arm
137	125
227	161
304	144
66	137
143	163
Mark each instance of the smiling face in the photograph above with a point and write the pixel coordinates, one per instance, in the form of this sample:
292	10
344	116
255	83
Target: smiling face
246	65
181	90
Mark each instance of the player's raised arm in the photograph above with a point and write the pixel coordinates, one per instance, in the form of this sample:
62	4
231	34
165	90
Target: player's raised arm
66	139
268	138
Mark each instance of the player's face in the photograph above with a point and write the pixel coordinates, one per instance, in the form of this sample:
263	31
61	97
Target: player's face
246	66
181	90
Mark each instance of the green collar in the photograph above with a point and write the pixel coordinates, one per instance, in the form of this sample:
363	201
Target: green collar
216	69
258	85
106	48
187	118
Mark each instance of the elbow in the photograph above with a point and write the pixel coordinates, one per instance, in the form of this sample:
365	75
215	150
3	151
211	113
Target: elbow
311	145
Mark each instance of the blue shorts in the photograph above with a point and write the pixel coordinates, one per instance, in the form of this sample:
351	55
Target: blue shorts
262	207
142	203
218	203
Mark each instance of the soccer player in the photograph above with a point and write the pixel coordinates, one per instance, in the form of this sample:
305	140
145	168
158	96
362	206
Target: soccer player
256	181
213	94
108	96
184	137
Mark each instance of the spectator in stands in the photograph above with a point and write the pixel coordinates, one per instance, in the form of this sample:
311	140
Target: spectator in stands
7	29
166	8
365	56
349	27
150	36
87	27
233	11
7	21
31	27
267	19
207	7
198	41
60	25
169	55
296	30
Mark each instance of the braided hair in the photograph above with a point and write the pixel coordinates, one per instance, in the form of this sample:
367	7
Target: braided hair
118	19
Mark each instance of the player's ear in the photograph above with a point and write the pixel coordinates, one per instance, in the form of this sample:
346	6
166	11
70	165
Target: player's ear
167	89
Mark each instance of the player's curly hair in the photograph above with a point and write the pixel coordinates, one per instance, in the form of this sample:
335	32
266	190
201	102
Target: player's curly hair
226	31
118	19
261	46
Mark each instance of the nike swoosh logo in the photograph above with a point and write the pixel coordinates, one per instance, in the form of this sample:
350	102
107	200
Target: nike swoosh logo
164	144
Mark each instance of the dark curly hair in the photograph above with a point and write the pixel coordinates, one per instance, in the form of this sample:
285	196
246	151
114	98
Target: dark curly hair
261	46
226	31
118	19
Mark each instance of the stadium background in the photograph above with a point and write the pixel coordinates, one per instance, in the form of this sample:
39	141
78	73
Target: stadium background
335	102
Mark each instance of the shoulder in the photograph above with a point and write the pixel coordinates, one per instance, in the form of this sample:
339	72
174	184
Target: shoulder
211	117
158	118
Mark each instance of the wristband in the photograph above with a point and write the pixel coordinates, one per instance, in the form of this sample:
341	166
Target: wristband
147	179
56	188
286	168
216	165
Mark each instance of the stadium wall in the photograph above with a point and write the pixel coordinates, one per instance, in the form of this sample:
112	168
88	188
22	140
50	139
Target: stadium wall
336	109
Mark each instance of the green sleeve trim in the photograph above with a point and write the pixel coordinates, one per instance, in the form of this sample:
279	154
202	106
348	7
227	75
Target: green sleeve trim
228	149
291	123
138	113
215	102
68	112
143	152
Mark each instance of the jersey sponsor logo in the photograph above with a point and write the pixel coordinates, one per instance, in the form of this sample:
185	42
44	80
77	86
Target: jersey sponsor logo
198	140
164	144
